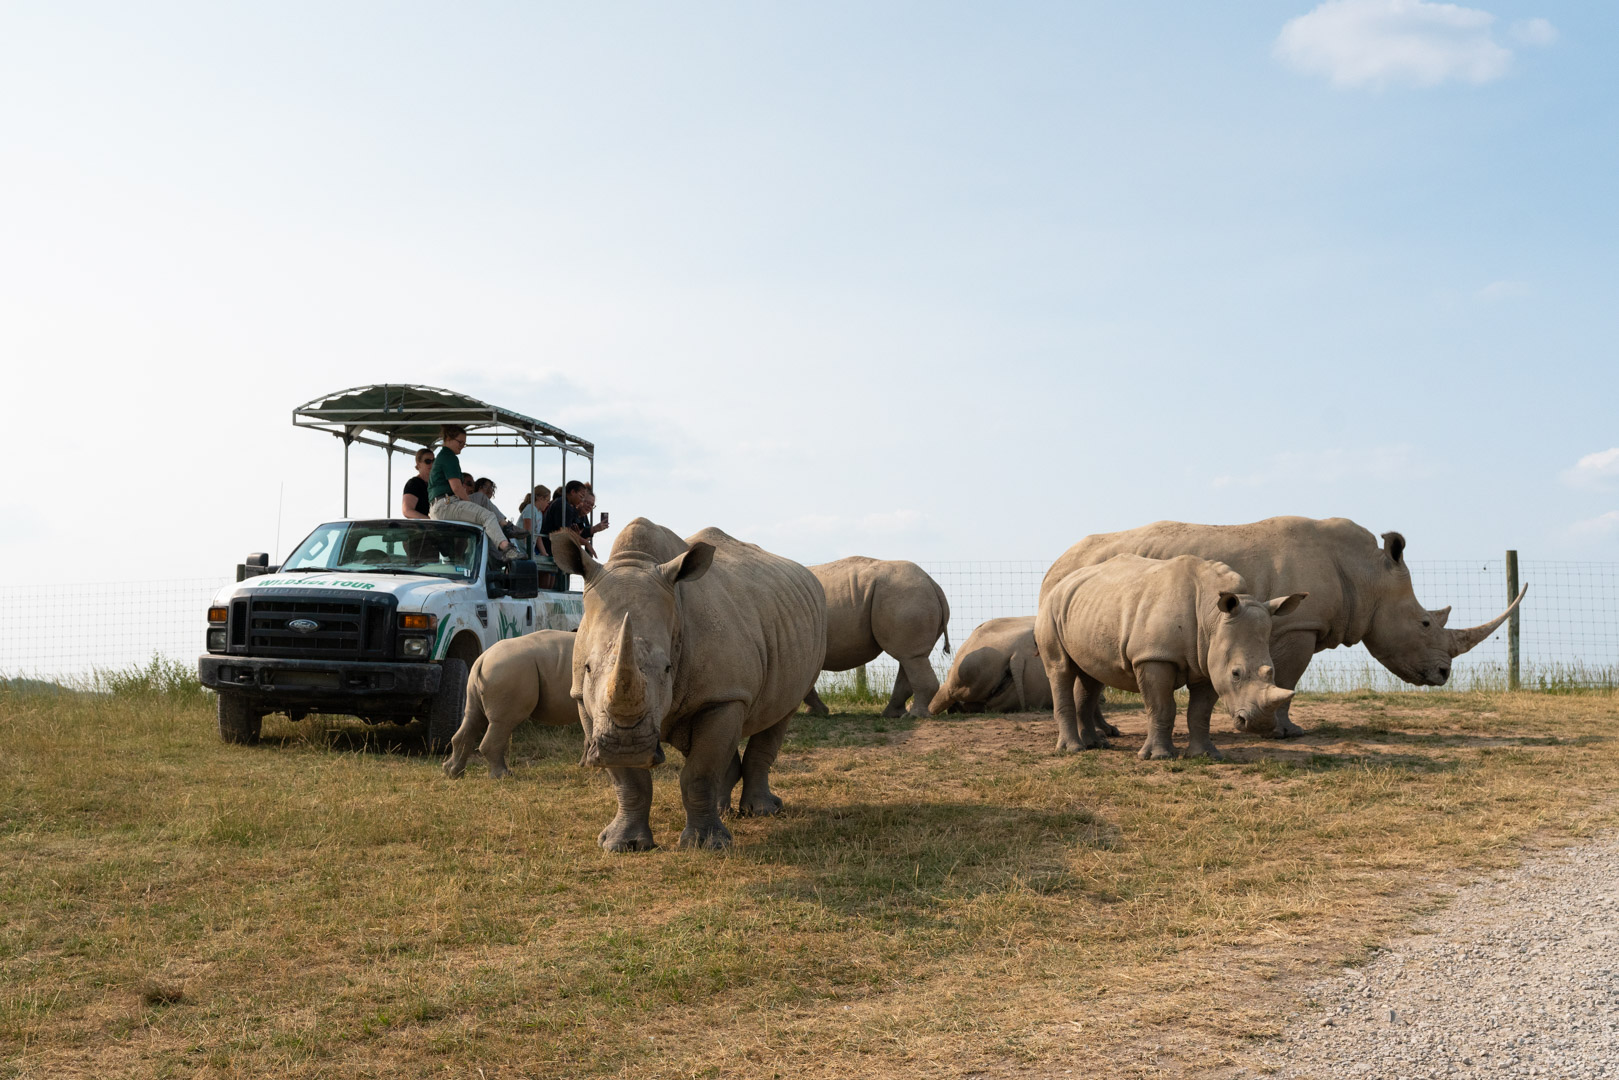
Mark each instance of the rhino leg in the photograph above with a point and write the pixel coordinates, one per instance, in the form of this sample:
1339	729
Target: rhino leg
902	691
1101	721
1157	680
763	746
733	773
923	682
1290	655
631	830
1198	711
816	706
1062	673
473	724
1090	707
496	742
715	733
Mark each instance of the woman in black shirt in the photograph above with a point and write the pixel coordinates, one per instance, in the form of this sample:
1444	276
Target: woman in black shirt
413	504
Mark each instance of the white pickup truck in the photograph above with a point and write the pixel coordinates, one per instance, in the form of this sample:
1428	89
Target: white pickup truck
380	618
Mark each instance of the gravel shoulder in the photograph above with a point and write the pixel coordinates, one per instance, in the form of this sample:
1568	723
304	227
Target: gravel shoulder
1519	976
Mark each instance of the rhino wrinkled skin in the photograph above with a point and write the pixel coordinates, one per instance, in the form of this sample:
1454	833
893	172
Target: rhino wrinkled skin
888	606
1359	593
699	643
518	679
997	669
1151	626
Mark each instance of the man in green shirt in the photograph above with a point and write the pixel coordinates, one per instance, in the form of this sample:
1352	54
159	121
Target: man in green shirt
447	494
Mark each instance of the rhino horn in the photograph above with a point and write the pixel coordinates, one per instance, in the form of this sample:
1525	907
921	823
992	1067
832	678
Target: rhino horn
1276	697
1463	640
627	690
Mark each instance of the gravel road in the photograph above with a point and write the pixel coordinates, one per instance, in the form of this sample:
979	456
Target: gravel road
1519	977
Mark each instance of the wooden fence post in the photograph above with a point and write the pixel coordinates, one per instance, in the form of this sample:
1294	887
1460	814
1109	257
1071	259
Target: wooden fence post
860	688
1512	621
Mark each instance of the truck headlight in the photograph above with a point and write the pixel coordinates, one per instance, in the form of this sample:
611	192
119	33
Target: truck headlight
216	639
413	647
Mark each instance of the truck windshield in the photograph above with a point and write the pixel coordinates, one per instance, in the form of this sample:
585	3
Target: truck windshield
389	547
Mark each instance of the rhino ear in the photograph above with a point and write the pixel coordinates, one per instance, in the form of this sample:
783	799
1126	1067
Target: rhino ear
571	557
1286	605
1229	602
1394	547
1441	615
691	565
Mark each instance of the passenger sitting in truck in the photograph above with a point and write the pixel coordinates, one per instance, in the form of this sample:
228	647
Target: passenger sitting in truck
483	493
563	513
414	502
532	509
448	492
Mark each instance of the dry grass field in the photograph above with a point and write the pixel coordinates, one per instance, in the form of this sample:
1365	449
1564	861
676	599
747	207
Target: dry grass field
945	898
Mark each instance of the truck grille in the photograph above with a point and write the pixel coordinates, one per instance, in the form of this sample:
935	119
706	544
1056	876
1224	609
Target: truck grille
344	628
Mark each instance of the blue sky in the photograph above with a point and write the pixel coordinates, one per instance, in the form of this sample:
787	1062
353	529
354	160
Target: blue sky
911	280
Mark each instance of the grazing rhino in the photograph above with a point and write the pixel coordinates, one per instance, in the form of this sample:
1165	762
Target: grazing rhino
1359	593
997	669
883	606
700	644
1150	626
518	679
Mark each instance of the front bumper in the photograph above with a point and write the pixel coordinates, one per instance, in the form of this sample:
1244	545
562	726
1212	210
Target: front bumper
340	686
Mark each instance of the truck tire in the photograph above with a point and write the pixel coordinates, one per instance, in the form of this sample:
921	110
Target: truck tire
239	721
444	715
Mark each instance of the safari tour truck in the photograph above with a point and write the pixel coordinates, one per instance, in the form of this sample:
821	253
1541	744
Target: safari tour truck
380	617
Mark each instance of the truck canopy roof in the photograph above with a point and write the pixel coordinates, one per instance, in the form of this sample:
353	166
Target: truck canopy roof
388	414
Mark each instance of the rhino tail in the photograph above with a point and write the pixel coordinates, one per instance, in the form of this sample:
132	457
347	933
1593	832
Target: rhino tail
944	614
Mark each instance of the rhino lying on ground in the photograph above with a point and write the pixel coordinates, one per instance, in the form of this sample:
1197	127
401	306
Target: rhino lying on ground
997	669
518	679
700	644
883	606
1152	625
1358	592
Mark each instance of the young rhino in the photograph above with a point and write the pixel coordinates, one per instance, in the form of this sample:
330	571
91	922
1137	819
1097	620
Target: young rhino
521	678
1152	625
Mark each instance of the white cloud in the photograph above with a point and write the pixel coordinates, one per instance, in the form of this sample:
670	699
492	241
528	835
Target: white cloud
1377	43
1534	32
1598	470
1601	525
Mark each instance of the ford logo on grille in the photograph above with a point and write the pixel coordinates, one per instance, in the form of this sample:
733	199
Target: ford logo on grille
303	626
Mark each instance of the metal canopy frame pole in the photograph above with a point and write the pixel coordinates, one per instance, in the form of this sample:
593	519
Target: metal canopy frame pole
388	491
346	440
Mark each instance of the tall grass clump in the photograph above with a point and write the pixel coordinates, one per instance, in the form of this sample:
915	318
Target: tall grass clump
161	677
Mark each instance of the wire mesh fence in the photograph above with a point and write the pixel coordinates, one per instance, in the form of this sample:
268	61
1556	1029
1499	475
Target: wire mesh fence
1569	623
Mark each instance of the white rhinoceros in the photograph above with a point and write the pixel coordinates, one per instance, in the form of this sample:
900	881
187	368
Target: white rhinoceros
883	606
1359	593
997	669
1151	626
700	644
518	679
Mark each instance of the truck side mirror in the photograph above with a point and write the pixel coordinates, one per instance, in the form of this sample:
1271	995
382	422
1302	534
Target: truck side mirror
257	564
258	558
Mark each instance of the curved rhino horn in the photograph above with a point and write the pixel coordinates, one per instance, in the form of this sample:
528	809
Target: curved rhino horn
1463	640
1276	697
626	695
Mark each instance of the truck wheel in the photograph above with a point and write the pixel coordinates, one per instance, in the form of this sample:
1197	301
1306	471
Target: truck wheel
239	721
444	715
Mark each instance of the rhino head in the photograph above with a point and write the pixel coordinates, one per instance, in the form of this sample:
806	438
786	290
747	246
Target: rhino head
627	649
975	677
1409	639
1239	661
